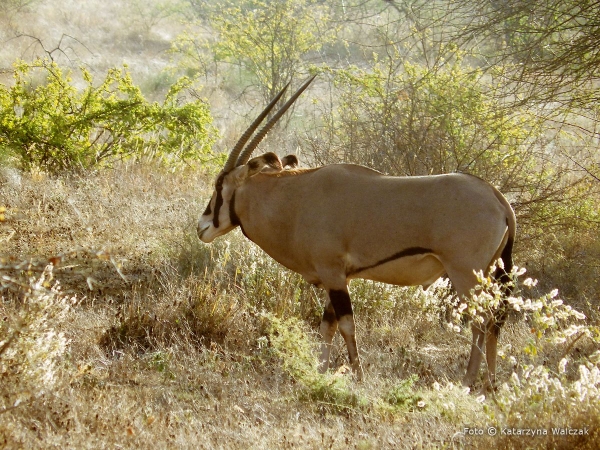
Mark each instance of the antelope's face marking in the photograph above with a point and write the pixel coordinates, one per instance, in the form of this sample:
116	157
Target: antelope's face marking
220	216
205	233
216	221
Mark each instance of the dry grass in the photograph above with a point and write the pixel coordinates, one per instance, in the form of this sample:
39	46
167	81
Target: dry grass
170	342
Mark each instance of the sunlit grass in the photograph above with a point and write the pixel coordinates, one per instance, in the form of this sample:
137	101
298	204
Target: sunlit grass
189	343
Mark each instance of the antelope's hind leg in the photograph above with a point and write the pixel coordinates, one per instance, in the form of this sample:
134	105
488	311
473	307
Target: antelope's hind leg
491	354
463	281
483	333
476	354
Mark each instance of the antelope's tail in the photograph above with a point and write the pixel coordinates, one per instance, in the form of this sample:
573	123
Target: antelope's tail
503	274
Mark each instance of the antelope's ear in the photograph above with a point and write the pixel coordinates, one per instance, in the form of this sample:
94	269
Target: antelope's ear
289	161
257	164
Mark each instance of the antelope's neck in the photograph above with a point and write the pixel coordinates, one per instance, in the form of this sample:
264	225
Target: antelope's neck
265	210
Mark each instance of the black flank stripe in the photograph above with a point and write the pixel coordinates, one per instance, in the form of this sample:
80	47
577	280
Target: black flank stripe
411	251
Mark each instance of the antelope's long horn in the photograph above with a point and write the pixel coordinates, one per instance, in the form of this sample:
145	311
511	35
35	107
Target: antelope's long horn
245	155
233	155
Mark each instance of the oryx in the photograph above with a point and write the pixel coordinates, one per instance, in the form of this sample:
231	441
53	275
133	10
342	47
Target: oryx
343	221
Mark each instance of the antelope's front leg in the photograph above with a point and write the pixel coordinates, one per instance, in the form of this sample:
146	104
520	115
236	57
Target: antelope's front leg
340	300
329	325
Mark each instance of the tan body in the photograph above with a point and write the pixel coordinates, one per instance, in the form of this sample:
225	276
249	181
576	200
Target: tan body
347	218
343	221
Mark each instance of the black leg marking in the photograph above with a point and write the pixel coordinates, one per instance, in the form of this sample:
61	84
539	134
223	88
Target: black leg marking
329	314
341	303
503	277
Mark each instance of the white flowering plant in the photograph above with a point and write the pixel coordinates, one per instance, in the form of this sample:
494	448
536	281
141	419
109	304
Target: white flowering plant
547	315
540	393
31	347
436	299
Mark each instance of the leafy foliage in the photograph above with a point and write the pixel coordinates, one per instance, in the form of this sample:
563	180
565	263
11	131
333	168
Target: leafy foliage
426	121
269	40
553	44
402	395
55	126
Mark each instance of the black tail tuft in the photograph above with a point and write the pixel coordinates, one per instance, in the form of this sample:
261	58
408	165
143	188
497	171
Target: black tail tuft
503	275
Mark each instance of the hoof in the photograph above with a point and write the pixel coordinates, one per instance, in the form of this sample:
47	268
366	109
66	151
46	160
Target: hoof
358	373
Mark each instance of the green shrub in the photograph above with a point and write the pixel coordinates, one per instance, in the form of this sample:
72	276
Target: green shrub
297	351
403	394
408	119
55	126
267	40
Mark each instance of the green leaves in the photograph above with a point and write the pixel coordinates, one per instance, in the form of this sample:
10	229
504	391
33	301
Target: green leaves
404	118
55	126
268	40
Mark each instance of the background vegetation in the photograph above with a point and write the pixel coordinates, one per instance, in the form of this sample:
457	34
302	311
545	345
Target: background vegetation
120	328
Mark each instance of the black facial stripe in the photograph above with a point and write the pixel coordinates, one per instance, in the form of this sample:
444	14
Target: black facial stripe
218	204
219	199
207	211
411	251
341	303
